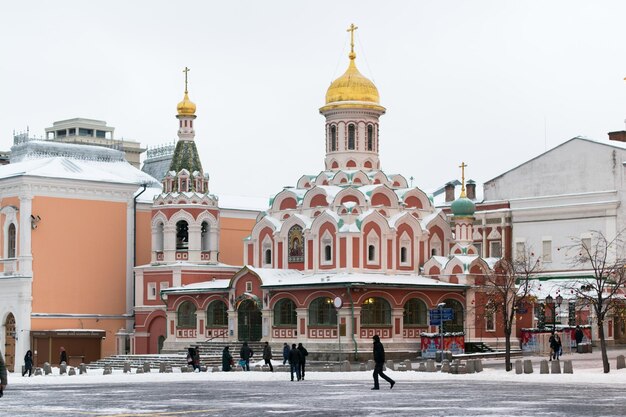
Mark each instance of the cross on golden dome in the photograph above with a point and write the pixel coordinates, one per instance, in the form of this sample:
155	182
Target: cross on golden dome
186	70
351	29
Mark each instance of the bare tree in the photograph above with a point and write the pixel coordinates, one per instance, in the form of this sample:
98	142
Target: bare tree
604	259
508	284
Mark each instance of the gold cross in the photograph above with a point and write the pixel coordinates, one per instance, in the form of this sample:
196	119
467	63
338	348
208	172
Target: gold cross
463	166
186	70
351	29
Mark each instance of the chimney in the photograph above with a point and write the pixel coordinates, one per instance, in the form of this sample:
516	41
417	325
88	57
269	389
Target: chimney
470	189
619	136
449	187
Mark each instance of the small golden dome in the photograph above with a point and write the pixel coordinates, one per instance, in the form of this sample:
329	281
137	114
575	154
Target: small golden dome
352	86
186	107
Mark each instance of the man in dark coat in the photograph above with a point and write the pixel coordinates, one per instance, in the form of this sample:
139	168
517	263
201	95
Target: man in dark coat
303	354
3	375
227	359
379	361
578	335
286	351
245	354
294	361
267	355
63	357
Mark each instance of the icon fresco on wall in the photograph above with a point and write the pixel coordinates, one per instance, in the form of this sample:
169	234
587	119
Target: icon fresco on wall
296	244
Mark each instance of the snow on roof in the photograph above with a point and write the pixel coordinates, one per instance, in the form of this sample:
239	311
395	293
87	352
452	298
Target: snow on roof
218	284
77	162
290	277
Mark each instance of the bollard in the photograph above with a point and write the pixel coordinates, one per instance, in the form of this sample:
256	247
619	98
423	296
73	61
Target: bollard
38	371
139	370
621	362
390	365
215	369
185	369
430	366
126	367
257	368
71	372
62	368
543	367
146	367
555	367
470	366
362	367
528	366
567	367
107	370
47	369
479	365
445	366
407	365
82	368
161	367
370	365
422	367
518	366
345	366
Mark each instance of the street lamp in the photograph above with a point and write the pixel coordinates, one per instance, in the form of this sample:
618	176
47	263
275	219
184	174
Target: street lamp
551	302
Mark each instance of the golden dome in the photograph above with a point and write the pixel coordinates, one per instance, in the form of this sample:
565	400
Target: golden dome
186	107
352	86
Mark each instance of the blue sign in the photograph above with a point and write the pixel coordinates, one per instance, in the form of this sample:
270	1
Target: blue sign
437	316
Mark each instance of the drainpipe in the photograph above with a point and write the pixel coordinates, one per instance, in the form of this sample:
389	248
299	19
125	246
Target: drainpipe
356	346
144	185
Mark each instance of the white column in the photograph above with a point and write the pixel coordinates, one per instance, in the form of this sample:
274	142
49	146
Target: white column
193	250
213	244
169	243
24	253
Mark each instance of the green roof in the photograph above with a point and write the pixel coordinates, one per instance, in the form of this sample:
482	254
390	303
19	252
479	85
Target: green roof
186	157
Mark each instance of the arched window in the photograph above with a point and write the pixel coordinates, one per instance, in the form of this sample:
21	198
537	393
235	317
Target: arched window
285	313
158	241
217	314
415	313
322	312
333	138
371	253
268	257
182	235
351	137
403	255
375	311
12	241
328	253
186	315
456	324
204	236
370	138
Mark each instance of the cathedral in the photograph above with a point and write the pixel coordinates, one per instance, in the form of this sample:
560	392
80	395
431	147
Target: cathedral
345	254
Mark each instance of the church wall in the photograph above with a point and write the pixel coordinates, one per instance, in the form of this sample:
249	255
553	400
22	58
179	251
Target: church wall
144	237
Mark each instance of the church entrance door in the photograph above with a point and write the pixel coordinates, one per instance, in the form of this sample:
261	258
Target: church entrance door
9	345
249	321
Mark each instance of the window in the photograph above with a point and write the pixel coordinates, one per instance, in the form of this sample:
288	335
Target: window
204	236
285	313
187	315
182	235
479	249
12	241
351	137
495	249
375	312
371	253
456	324
268	257
403	255
151	295
333	138
217	314
328	253
415	313
370	138
322	312
490	320
435	246
547	251
520	248
248	286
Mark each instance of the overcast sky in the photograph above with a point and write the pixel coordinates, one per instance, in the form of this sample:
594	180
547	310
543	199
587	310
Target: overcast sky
491	83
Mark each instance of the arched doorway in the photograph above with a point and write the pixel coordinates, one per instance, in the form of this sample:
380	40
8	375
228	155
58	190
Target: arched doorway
458	318
9	345
249	321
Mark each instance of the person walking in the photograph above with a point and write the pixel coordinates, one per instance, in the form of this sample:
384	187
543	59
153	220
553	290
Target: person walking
28	363
63	356
3	375
303	354
285	353
294	361
227	359
379	361
559	347
267	355
555	346
578	335
245	354
191	355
